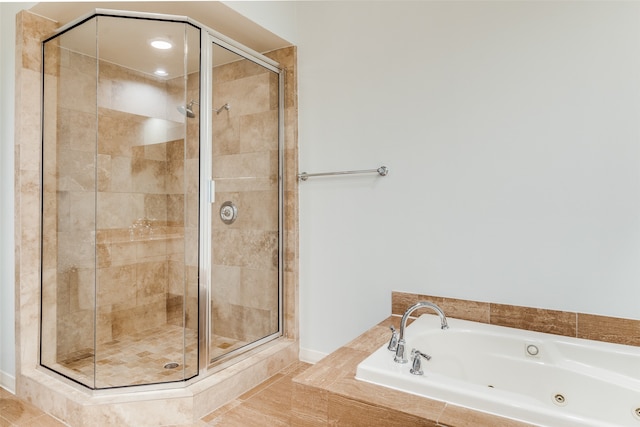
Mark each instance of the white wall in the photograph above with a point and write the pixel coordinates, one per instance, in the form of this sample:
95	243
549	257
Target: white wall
513	137
512	132
8	12
279	17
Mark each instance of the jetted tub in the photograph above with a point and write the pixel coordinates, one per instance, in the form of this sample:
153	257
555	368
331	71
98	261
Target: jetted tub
538	378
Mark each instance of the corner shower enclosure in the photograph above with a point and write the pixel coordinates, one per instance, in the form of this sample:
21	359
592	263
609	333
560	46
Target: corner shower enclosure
161	200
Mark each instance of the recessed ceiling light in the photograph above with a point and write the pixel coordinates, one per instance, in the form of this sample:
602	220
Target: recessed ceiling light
161	44
160	72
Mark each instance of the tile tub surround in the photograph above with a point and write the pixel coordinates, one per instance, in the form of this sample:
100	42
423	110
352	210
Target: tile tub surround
68	402
327	394
570	324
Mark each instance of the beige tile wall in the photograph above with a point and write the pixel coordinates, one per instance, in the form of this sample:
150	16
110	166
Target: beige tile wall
245	167
288	59
137	222
53	395
131	211
30	30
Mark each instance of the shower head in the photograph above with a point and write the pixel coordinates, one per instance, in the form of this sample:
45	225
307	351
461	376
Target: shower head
186	110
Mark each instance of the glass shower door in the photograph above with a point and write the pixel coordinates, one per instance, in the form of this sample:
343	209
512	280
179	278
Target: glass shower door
245	271
147	197
120	202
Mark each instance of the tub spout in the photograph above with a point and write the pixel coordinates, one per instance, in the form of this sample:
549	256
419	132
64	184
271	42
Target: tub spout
400	357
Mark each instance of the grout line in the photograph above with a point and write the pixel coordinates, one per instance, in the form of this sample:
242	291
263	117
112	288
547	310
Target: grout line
441	413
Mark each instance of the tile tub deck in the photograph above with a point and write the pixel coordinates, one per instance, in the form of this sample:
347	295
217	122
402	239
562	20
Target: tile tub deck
327	394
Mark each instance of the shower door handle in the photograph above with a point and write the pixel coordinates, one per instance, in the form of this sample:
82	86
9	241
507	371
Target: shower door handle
212	191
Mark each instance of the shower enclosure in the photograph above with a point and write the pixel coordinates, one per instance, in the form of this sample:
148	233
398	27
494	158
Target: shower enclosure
161	200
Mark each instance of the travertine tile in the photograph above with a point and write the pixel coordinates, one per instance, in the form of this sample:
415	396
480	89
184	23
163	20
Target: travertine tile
198	423
335	366
303	420
261	387
387	398
534	319
236	70
401	301
43	421
347	412
609	329
35	27
287	58
270	401
295	368
221	411
76	130
309	405
456	308
600	328
258	131
17	411
274	401
135	358
238	417
467	310
374	337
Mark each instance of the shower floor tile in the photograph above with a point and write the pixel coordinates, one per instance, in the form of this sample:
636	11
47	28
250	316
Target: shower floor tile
223	345
140	358
137	359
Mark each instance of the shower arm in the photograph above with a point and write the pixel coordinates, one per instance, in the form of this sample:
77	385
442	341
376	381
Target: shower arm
226	106
186	109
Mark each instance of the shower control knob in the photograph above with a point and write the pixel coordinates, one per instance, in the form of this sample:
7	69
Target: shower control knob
228	212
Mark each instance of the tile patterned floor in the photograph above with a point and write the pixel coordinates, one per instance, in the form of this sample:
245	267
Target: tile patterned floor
140	358
268	404
136	359
15	412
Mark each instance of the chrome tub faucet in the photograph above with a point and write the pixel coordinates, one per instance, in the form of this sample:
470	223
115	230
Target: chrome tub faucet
400	357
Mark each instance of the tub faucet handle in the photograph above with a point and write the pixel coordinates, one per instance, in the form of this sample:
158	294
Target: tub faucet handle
393	342
416	367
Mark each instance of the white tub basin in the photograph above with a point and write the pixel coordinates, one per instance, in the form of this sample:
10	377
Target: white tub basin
570	382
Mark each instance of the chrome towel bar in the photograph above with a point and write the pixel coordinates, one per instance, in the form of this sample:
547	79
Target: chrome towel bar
382	171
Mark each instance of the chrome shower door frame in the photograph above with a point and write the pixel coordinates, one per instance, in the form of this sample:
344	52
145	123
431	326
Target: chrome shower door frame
209	38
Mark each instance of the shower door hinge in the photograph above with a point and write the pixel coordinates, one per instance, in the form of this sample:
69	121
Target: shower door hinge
212	191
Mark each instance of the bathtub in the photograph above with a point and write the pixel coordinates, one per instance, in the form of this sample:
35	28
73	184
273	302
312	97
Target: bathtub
538	378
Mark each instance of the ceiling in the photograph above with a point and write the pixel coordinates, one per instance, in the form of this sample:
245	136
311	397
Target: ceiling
126	43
